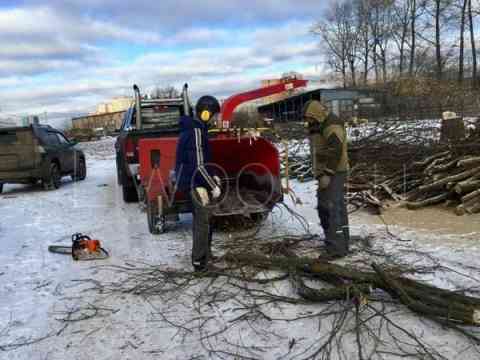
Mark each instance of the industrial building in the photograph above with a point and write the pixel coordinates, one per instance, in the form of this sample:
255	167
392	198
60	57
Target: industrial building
109	122
108	115
117	104
343	102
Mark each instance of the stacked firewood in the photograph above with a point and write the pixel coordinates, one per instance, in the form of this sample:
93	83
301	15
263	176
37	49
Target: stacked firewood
446	178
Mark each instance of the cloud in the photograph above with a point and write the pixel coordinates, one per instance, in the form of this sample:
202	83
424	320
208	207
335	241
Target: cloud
176	15
68	56
48	23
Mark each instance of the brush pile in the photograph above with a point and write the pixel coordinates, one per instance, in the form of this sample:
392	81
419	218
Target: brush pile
441	305
388	166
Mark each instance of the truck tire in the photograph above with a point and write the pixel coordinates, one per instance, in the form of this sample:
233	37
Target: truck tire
129	193
156	224
80	173
54	179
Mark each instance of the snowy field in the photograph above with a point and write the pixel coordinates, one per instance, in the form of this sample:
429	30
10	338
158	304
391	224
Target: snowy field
50	306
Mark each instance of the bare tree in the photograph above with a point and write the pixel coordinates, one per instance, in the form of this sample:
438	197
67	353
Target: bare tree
461	60
381	31
340	36
472	44
167	92
440	11
378	39
363	16
402	18
413	36
438	50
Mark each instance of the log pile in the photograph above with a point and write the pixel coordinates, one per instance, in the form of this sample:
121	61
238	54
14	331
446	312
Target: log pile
446	178
422	174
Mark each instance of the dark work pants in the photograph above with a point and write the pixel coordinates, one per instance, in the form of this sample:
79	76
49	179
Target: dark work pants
202	232
332	211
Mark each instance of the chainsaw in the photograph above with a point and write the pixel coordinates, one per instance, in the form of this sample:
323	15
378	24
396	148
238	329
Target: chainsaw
83	248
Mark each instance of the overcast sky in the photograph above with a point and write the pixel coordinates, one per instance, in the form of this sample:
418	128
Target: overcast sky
67	55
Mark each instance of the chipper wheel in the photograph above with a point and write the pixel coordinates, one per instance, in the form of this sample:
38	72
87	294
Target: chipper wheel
156	222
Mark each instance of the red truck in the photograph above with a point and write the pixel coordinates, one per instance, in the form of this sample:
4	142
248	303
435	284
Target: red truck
249	164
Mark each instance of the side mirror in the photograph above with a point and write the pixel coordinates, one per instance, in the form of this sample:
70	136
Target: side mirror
73	142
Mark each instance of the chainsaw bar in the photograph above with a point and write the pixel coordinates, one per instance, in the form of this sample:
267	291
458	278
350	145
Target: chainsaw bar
101	254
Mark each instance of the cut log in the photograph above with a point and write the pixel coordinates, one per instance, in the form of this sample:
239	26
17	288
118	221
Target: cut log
470	207
475	209
437	185
428	160
437	162
470	162
466	187
460	210
442	168
430	201
470	196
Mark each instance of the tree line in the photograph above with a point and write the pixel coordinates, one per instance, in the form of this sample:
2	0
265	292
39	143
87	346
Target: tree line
376	41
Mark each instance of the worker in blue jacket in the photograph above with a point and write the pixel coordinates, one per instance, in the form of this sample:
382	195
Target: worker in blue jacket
195	178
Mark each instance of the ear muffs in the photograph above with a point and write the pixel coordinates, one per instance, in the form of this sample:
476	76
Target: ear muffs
207	106
205	115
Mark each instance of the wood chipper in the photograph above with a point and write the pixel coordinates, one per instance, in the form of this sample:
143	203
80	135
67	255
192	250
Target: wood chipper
247	163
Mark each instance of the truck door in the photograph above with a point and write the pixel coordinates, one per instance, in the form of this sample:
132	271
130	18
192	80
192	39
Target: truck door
68	153
54	149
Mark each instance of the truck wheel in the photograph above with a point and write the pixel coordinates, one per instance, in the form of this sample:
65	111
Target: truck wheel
80	173
55	178
156	224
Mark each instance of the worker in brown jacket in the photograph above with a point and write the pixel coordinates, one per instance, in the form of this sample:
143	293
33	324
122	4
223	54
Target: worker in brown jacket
328	143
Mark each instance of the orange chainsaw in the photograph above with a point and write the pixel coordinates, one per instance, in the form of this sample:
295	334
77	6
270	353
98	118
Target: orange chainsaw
83	248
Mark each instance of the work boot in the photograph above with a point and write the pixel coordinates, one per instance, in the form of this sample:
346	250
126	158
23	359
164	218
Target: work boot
213	258
203	268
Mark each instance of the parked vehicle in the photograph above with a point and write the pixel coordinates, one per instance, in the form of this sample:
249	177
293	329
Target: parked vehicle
38	153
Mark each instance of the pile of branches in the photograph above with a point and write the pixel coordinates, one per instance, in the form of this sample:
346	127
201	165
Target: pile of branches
360	303
446	178
401	161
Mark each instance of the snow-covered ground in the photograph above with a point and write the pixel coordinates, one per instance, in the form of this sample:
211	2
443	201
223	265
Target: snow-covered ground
39	289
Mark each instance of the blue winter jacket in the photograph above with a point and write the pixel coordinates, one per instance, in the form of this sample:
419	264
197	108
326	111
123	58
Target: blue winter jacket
193	153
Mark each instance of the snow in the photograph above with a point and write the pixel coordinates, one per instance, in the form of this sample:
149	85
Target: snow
38	287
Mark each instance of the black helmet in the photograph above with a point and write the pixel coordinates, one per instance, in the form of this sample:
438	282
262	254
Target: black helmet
206	107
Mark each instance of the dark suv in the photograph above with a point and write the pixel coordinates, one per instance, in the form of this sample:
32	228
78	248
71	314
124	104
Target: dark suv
38	152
